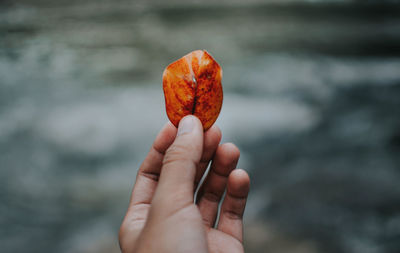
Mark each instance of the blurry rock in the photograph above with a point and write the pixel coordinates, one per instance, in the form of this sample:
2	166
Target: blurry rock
337	184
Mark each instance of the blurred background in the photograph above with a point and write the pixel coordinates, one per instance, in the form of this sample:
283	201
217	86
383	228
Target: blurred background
312	99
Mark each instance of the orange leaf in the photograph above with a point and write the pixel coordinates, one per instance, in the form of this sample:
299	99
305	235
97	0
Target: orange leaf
192	85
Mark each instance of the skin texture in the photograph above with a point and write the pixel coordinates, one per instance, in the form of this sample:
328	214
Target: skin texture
192	85
163	215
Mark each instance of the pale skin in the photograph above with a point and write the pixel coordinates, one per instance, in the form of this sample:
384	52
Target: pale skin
162	214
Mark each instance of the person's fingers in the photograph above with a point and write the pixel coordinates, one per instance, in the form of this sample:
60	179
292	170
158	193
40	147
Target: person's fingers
145	185
211	141
210	194
149	171
232	209
175	186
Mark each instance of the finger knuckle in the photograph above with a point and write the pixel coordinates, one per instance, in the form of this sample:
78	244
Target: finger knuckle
176	153
233	215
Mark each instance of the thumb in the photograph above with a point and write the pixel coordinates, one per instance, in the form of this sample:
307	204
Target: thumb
180	162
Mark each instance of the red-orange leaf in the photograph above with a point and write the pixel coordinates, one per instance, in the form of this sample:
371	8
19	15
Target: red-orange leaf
192	85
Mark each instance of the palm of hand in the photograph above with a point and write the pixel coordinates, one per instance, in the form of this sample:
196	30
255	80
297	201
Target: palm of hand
162	216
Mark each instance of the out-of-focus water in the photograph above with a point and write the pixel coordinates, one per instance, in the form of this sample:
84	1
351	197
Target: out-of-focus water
312	99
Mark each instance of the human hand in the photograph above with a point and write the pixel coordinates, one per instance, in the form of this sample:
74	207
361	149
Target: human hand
162	215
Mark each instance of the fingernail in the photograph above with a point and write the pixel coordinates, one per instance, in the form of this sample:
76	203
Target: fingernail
186	125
